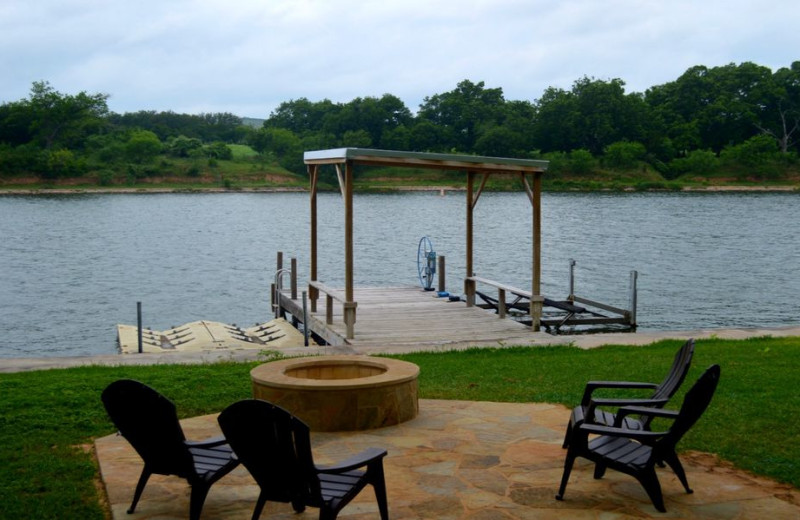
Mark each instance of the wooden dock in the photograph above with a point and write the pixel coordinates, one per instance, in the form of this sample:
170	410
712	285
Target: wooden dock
410	316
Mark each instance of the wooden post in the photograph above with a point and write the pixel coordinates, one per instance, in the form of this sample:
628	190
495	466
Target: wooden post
469	287
293	275
442	278
313	294
278	267
501	303
633	299
349	305
328	309
537	300
571	296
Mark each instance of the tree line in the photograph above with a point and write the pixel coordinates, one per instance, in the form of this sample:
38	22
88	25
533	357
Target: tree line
741	117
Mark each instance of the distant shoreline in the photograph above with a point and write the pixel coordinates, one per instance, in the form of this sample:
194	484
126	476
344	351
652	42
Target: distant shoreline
279	189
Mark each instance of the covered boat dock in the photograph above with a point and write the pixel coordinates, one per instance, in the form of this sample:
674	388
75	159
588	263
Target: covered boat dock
338	322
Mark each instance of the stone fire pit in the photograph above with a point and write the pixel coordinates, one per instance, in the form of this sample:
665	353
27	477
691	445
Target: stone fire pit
340	393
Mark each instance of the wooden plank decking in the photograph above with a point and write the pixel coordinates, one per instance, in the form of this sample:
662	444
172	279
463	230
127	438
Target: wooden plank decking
410	316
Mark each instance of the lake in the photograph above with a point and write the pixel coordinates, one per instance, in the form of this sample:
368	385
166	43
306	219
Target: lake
74	266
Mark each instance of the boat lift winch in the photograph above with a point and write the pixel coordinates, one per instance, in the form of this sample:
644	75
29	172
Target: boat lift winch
426	263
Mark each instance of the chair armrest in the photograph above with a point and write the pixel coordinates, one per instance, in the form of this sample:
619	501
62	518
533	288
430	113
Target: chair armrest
591	386
613	431
643	403
211	441
359	460
645	410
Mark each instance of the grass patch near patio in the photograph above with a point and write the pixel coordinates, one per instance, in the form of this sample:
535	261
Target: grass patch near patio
49	419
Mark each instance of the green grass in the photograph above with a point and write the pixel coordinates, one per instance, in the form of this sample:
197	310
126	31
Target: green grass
48	419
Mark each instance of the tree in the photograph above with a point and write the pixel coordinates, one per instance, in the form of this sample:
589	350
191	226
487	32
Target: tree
64	121
780	118
182	146
464	111
624	154
142	146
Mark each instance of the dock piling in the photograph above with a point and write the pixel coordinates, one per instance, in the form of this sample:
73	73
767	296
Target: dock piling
139	325
442	277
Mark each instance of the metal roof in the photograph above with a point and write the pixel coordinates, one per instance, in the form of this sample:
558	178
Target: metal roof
444	161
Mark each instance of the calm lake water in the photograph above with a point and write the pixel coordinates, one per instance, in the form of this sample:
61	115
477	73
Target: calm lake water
74	266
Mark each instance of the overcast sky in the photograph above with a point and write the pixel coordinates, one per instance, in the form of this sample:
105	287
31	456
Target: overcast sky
248	56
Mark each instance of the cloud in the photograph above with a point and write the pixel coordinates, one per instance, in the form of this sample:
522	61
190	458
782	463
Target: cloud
248	56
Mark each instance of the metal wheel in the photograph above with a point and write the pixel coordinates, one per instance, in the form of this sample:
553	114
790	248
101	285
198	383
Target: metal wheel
426	263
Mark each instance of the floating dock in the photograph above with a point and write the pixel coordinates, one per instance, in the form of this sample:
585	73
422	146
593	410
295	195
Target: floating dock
209	335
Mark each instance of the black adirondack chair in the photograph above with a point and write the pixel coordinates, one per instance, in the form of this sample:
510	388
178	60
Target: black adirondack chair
275	447
592	409
636	453
148	421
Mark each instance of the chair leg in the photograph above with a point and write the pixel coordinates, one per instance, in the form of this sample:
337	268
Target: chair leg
139	488
298	506
649	482
378	481
599	470
568	462
197	499
262	499
675	463
567	435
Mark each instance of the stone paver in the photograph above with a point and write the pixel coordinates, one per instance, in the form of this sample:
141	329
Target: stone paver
464	460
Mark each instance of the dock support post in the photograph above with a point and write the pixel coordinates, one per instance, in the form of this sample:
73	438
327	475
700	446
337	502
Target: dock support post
294	278
442	277
501	303
633	299
571	296
350	318
313	173
139	324
293	283
537	300
305	319
469	286
537	303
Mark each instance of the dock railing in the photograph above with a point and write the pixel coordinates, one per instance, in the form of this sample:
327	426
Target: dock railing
332	294
537	301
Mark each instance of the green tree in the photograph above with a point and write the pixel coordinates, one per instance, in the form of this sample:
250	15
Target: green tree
780	117
182	146
464	111
64	121
142	146
218	150
624	154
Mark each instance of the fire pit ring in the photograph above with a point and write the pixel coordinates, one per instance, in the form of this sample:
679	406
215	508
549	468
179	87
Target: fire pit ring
340	393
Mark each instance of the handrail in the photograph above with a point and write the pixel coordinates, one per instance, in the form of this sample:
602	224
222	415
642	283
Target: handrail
336	294
348	307
471	281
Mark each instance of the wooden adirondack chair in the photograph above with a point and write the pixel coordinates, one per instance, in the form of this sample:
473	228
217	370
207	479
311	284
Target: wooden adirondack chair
637	453
276	448
592	409
148	421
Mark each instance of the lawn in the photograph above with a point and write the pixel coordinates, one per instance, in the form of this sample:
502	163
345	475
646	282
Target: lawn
48	419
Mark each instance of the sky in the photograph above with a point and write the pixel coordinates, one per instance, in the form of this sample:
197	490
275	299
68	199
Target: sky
248	56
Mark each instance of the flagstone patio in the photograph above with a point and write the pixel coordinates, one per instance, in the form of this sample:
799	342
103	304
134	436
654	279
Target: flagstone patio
459	459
